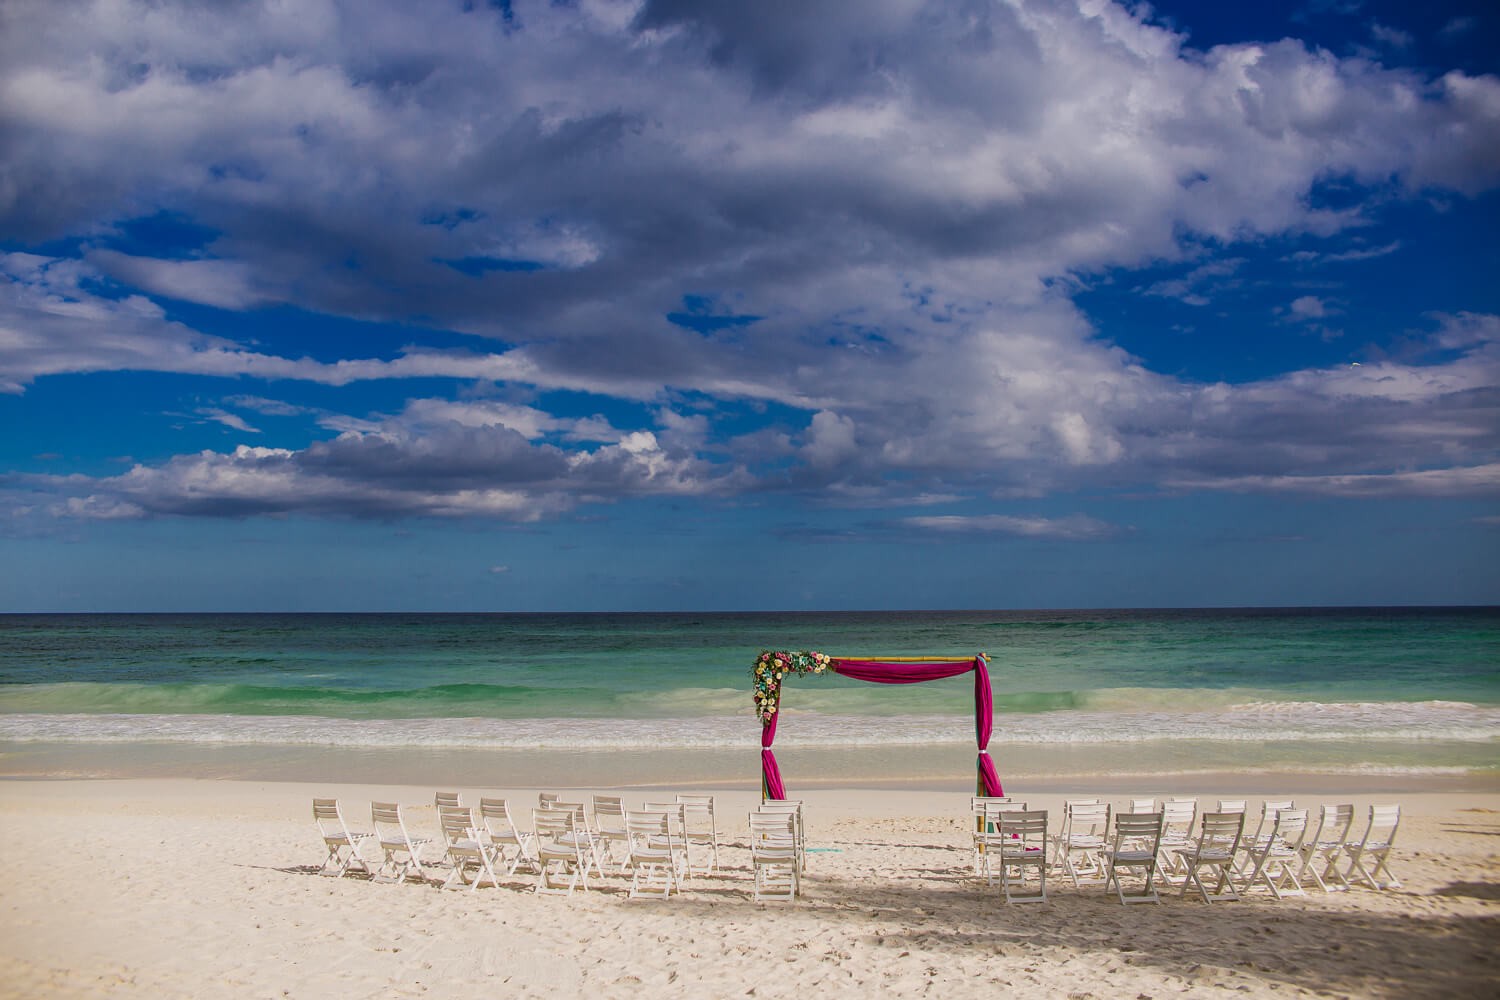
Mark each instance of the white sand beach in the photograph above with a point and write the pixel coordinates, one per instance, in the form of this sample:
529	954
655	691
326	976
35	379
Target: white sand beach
201	888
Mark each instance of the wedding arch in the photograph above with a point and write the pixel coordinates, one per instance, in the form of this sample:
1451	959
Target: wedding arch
772	667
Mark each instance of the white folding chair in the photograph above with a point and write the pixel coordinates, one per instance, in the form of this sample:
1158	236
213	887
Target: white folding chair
652	854
610	832
776	855
1137	840
1177	818
1278	862
1375	846
593	852
1254	844
1322	850
395	841
987	840
512	846
676	824
700	829
793	808
1080	847
562	858
463	848
1021	844
1217	846
342	843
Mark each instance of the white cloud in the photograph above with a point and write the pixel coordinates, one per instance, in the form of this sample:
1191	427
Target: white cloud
432	460
1477	481
894	191
1345	256
231	420
1075	528
1393	37
1192	288
1307	307
830	439
223	283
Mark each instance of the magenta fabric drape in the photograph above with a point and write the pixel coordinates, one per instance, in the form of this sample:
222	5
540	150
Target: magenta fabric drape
902	673
984	722
899	673
770	773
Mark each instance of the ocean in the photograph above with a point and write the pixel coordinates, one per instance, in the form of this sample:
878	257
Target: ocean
1360	691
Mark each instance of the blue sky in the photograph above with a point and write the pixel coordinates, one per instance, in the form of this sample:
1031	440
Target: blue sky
663	305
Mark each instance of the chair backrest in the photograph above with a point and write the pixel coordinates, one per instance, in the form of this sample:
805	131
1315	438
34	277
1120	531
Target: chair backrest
456	822
1384	820
978	802
545	799
1291	827
1232	806
675	811
1219	833
329	819
1268	810
609	814
580	818
990	807
1141	831
703	804
649	828
785	807
446	799
494	816
1088	816
994	810
1015	821
1178	814
773	829
1140	806
550	824
1333	824
387	819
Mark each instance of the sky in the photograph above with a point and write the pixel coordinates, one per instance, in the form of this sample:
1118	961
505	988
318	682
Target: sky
632	305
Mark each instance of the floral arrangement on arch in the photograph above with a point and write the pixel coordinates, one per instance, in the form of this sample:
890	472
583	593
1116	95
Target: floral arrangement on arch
771	666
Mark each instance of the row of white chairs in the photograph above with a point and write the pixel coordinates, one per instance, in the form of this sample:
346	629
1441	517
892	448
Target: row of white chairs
659	845
1170	840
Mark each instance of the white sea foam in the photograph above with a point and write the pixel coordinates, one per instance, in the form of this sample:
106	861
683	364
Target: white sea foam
1253	722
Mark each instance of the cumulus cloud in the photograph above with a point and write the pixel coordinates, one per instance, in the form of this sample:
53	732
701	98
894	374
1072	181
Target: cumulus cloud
850	220
1306	307
434	459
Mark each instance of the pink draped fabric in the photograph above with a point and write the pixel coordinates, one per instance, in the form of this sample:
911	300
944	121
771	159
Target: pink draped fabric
770	773
902	673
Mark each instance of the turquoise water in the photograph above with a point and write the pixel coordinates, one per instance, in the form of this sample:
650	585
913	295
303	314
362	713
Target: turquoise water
1381	688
